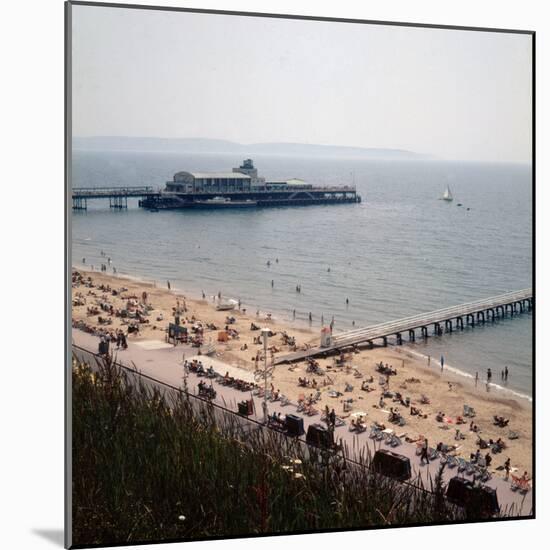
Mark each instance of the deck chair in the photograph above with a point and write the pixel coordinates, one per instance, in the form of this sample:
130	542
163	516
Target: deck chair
284	400
395	441
432	453
515	483
340	422
374	431
451	462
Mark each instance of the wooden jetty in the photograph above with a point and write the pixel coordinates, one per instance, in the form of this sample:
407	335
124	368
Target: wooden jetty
442	320
118	196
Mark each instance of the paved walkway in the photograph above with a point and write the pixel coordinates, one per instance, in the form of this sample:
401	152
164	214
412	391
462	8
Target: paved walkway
165	365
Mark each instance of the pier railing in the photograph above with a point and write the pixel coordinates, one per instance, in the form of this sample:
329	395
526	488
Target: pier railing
479	308
104	192
437	316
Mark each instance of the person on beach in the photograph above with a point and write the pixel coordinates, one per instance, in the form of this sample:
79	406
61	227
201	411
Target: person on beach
83	260
332	418
310	317
219	294
353	323
489	375
477	378
424	453
293	314
203	295
347	301
507	468
429	359
272	283
506	374
168	284
442	363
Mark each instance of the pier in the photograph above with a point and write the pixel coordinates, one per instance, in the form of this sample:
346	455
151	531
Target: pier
259	197
117	196
432	323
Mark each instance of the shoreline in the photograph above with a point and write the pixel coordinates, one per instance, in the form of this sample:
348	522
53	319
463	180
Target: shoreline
447	391
303	325
460	374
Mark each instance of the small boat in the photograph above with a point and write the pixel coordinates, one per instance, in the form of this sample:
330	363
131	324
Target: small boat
447	195
226	305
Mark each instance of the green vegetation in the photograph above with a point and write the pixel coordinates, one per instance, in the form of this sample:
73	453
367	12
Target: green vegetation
150	466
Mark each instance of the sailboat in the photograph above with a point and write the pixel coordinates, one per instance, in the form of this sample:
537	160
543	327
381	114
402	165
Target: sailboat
447	195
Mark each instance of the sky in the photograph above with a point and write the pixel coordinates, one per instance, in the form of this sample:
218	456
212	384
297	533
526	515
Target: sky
461	95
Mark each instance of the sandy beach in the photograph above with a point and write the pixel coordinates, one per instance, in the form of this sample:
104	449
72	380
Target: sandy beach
446	391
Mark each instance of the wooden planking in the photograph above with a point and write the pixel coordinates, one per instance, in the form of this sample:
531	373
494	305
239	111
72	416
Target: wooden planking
366	334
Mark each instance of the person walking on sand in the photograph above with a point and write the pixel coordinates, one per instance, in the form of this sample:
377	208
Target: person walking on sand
424	453
332	418
168	284
507	468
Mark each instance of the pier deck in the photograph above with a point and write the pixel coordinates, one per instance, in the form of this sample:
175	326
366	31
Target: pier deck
118	196
480	311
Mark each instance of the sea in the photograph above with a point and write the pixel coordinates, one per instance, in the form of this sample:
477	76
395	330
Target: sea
399	252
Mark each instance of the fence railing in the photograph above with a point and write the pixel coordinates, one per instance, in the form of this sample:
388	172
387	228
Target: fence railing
247	424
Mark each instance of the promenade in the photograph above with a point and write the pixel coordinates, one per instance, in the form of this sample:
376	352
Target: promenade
164	363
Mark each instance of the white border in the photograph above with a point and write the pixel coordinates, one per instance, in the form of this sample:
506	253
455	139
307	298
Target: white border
32	259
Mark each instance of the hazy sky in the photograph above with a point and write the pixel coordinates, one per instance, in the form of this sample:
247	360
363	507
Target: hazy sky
453	94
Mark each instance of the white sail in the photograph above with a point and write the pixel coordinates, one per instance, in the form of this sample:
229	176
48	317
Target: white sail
447	195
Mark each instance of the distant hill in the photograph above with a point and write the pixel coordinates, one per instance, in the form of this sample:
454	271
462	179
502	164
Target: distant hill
199	145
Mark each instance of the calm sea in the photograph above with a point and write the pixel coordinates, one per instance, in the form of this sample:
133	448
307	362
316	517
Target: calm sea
400	252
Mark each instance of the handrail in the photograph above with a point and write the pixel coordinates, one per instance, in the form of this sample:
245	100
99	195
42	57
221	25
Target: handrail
440	315
243	419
